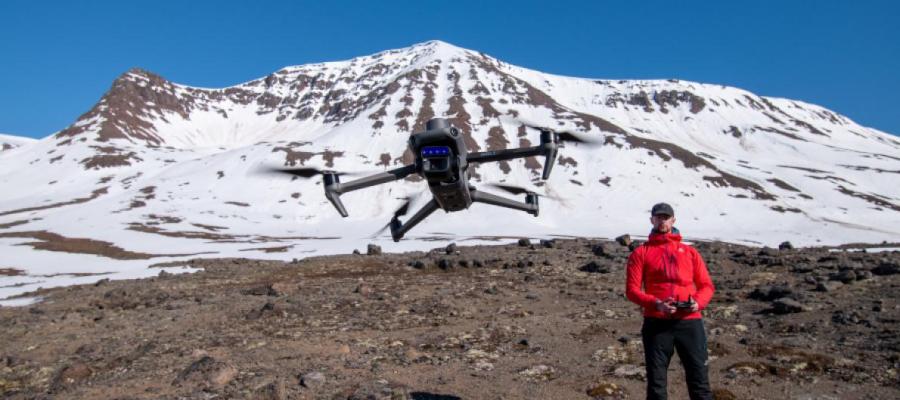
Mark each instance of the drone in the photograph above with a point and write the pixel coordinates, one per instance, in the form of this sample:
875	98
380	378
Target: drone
441	158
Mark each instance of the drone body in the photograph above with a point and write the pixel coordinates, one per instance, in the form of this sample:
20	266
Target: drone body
442	160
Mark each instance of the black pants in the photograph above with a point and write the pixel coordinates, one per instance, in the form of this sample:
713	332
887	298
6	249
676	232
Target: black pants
689	339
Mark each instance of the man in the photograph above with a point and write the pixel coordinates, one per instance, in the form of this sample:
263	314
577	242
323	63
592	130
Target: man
670	281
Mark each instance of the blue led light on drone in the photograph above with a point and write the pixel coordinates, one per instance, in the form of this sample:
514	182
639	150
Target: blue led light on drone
435	151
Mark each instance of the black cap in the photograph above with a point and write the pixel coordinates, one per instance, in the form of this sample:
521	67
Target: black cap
662	208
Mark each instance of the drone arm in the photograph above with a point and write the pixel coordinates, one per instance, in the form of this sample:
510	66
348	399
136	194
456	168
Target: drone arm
503	155
377	179
548	149
398	229
531	206
334	188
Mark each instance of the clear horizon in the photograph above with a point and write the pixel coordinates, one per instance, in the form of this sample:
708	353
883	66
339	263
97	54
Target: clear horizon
60	57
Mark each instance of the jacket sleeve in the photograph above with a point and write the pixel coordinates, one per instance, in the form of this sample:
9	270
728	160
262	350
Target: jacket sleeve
705	288
634	279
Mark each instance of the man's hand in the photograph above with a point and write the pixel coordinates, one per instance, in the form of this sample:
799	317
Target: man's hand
695	307
665	306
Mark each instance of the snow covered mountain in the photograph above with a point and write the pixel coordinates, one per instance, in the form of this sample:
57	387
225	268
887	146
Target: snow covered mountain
157	171
9	142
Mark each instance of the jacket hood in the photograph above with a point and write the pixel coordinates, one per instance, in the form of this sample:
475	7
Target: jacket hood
660	238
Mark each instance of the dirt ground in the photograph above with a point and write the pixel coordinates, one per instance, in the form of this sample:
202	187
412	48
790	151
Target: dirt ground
519	321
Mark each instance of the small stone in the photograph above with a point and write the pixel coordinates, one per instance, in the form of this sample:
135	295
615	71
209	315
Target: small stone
549	244
363	290
601	250
785	246
71	375
373	250
767	252
846	276
828	286
418	264
630	371
539	373
607	391
312	379
445	264
164	274
595	268
624	240
524	242
271	391
356	252
208	372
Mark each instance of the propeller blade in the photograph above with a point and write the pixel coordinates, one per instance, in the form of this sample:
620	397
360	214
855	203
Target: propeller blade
564	136
301	172
509	188
520	190
399	212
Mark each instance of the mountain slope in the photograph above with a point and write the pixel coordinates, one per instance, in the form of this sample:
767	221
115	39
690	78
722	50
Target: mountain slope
160	170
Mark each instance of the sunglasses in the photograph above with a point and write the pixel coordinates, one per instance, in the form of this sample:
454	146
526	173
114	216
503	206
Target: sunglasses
662	216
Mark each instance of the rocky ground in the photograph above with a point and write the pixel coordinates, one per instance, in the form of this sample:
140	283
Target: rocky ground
546	320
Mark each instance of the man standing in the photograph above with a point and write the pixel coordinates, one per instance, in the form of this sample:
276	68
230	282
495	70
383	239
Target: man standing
670	281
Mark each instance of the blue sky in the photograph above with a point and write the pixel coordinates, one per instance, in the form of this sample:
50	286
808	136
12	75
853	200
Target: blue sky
58	58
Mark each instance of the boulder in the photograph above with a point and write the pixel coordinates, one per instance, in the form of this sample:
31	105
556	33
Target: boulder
450	249
787	305
785	246
771	292
524	242
887	268
624	240
373	250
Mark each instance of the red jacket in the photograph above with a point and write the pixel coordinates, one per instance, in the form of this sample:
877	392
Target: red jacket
664	267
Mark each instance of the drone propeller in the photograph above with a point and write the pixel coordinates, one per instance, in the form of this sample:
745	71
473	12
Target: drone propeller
399	212
564	136
520	190
304	172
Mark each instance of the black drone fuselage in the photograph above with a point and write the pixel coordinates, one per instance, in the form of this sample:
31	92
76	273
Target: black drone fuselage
441	158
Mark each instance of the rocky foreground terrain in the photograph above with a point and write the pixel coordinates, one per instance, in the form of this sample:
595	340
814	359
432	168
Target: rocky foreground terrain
545	320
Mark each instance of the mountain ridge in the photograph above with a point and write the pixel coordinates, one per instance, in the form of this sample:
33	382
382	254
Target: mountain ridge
157	167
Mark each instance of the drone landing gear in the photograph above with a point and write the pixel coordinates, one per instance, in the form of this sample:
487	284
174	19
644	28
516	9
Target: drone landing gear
530	205
398	229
